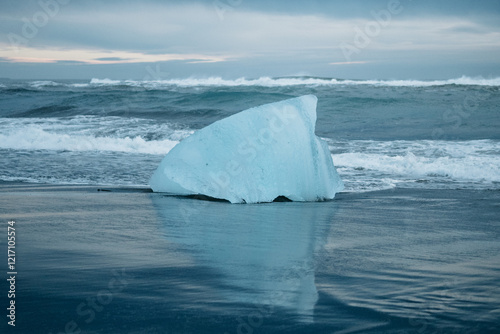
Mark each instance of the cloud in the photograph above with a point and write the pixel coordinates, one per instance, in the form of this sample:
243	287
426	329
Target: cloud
116	59
264	34
87	56
70	62
469	28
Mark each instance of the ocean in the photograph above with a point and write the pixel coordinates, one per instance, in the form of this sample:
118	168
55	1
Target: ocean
411	245
382	134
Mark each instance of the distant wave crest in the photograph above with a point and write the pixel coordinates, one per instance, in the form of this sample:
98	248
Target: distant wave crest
293	81
260	82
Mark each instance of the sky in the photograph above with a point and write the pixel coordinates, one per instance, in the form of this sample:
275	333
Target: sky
155	40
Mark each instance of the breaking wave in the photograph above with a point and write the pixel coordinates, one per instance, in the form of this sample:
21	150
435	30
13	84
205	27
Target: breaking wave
259	82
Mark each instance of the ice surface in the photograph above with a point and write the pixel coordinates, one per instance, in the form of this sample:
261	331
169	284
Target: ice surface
254	156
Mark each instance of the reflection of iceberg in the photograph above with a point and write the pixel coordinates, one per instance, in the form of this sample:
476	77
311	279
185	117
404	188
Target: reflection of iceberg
263	253
254	156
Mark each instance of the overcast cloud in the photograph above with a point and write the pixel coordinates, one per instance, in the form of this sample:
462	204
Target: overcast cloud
234	38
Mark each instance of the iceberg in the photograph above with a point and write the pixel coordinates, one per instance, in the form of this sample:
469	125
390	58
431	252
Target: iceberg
257	155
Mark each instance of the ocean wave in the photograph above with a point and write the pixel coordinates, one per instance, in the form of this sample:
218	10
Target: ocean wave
271	82
410	165
104	82
89	133
463	81
33	138
372	165
44	83
208	82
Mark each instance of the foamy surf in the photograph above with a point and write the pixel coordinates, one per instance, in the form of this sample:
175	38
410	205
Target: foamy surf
89	133
377	165
259	82
292	81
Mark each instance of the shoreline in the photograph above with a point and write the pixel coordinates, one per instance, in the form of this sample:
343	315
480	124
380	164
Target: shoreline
19	186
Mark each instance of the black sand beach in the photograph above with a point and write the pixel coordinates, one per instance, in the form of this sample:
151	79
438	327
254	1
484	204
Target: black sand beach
130	261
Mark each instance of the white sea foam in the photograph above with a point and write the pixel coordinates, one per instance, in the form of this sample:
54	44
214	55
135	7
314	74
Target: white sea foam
88	133
267	82
291	81
463	81
104	82
45	83
34	138
371	165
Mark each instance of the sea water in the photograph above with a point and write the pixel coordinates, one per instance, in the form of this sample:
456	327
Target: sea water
382	134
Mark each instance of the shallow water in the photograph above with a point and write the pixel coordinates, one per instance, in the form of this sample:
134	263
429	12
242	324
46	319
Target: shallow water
131	261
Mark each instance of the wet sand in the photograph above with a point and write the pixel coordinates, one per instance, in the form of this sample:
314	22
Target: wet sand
126	260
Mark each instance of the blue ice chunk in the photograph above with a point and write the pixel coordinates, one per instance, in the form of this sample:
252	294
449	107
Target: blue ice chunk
254	156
